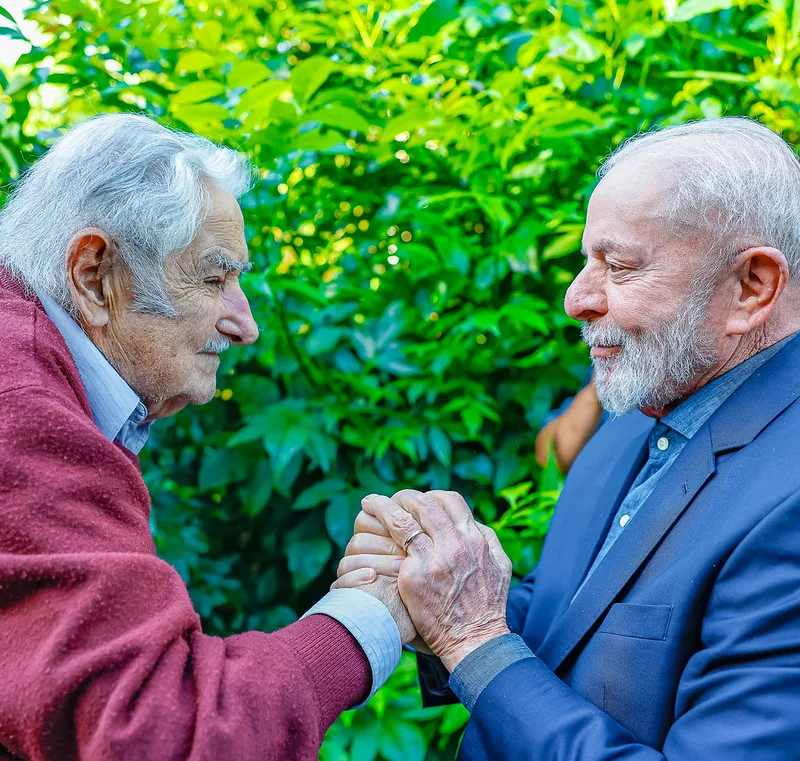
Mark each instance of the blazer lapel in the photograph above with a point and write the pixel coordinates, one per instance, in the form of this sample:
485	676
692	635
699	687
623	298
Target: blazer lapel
676	490
607	500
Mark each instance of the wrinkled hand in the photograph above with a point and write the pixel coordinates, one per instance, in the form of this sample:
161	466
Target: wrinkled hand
382	587
372	549
455	579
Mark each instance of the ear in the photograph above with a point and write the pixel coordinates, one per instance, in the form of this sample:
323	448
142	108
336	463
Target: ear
91	258
762	273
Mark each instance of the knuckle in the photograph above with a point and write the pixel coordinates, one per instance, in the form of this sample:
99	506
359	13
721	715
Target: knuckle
403	520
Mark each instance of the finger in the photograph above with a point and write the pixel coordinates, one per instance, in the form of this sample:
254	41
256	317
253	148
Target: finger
355	579
426	510
455	506
372	544
367	524
399	522
386	565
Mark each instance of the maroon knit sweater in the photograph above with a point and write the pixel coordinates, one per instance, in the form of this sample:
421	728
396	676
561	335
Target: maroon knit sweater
101	652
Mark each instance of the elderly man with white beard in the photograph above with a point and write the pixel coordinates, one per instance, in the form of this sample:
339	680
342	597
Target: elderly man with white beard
663	619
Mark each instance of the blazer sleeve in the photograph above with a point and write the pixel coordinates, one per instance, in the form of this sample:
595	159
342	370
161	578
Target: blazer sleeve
102	655
434	677
738	696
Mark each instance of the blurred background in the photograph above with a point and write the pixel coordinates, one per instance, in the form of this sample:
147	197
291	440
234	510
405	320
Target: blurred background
424	169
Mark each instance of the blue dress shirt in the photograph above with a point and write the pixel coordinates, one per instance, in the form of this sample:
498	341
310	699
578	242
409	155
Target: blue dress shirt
666	441
119	414
117	410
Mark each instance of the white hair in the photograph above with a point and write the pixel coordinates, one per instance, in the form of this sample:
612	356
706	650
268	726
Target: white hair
731	177
144	185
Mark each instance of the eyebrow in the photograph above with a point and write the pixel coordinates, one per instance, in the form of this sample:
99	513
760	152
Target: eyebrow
229	264
607	245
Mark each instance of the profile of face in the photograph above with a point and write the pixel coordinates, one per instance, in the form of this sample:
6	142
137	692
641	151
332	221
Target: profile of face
169	361
655	318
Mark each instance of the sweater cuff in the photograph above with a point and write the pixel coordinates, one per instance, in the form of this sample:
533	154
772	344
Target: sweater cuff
335	661
474	673
372	625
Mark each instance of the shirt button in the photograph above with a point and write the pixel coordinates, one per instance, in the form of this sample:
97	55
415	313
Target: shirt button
663	443
623	520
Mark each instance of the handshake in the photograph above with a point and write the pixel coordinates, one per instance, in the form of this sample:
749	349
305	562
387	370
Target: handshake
443	576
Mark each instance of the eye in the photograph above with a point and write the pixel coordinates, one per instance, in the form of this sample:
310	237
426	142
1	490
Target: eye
614	269
215	282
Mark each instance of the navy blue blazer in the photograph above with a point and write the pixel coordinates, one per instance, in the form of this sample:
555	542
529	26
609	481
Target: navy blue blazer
685	642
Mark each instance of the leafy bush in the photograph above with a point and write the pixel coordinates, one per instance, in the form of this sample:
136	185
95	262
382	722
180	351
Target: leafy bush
423	174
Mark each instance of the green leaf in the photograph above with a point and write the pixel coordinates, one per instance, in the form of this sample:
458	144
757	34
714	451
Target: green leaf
8	157
691	8
365	743
322	340
340	515
201	113
247	74
307	553
209	34
714	76
197	92
257	489
320	492
401	741
220	467
339	116
433	18
195	60
440	446
308	76
260	97
568	243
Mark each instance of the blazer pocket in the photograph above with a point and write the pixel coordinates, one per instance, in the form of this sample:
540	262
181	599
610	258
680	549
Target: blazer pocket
639	621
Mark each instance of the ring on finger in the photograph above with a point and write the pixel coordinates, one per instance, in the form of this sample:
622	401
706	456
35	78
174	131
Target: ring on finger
412	538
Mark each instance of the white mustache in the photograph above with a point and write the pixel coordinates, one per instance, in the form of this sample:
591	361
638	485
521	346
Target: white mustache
596	334
216	346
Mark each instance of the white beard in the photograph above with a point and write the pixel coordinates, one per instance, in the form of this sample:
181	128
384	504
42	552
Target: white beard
656	367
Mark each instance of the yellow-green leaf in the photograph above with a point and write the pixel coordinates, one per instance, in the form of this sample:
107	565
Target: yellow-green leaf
197	92
247	74
261	97
201	113
208	34
195	60
307	77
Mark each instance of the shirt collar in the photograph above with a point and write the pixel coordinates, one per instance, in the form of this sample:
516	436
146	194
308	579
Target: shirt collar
690	415
117	410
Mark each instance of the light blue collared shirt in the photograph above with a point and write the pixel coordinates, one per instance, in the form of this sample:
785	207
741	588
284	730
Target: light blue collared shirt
666	441
119	414
116	408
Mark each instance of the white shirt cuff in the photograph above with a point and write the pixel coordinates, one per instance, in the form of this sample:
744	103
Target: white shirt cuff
371	623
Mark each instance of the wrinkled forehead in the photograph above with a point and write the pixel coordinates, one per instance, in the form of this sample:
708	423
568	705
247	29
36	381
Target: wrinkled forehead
220	241
629	209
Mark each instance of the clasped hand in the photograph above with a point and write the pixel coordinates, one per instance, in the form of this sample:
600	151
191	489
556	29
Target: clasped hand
452	577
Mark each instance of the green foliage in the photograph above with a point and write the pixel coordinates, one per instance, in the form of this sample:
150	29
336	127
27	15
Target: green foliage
423	174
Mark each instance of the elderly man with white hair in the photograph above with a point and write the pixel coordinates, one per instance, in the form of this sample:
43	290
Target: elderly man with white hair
120	256
663	618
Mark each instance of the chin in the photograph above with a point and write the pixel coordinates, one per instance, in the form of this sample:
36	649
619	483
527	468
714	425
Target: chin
204	397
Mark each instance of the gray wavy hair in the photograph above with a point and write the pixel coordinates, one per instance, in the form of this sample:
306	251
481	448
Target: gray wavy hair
141	183
731	176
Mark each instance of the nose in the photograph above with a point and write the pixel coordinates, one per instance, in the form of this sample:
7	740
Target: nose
585	299
236	322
